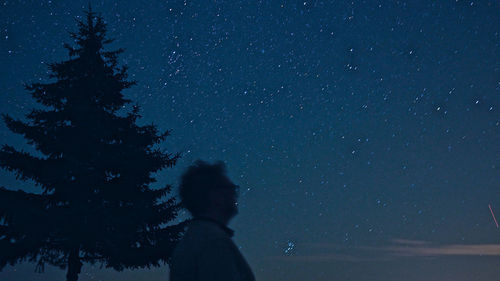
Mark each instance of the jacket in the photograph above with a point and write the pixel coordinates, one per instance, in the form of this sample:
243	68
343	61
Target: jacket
207	253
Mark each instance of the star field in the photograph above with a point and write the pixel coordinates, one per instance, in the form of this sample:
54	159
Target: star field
364	134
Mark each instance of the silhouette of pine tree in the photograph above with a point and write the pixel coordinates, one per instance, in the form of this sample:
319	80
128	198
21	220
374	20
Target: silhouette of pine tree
96	204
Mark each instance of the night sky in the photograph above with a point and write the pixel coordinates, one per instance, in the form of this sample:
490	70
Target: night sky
364	135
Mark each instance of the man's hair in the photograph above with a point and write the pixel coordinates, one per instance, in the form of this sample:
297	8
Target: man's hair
196	183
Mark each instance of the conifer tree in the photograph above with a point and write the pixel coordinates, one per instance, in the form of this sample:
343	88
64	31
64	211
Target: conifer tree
96	203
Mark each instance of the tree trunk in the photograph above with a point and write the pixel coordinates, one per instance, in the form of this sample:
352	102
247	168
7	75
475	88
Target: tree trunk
74	265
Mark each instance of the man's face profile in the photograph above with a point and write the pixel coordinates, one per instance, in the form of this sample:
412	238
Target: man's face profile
225	197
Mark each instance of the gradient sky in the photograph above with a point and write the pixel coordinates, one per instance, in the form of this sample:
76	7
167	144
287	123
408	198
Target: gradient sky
364	134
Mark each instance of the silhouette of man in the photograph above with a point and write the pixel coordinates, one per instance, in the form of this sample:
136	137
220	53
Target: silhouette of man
206	251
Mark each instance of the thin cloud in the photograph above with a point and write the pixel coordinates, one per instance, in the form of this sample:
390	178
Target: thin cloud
328	258
417	249
398	248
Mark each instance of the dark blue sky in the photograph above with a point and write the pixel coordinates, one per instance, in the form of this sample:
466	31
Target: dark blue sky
364	134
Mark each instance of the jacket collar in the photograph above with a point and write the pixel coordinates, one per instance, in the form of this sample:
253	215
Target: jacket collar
226	229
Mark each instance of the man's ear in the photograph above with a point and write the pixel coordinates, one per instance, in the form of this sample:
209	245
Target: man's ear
214	197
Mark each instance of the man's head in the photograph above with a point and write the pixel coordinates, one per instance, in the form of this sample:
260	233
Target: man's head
205	190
